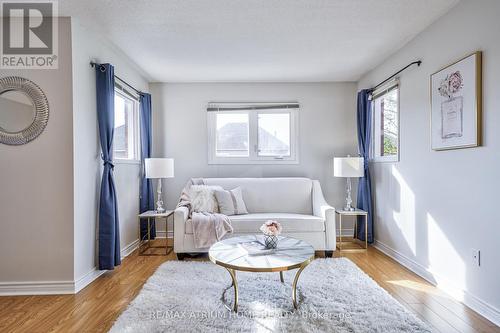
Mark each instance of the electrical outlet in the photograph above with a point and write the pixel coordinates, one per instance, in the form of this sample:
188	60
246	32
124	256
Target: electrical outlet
476	257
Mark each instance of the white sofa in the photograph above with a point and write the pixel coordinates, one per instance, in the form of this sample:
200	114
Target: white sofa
297	203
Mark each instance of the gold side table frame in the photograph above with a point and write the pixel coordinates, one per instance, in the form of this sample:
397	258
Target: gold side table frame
355	213
145	242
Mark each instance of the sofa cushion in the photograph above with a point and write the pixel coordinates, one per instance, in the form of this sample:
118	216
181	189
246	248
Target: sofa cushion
251	223
231	201
277	195
203	198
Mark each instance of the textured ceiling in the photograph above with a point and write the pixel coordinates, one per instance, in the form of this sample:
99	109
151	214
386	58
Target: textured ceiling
257	40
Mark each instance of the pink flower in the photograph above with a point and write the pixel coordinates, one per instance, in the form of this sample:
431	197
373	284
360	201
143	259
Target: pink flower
451	84
455	82
271	228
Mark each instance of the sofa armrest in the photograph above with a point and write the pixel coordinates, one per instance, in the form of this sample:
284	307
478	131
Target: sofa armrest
322	209
180	217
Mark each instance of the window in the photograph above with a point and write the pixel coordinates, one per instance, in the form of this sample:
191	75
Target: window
385	147
126	136
252	134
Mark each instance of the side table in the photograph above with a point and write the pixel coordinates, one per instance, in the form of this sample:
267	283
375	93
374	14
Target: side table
146	240
355	213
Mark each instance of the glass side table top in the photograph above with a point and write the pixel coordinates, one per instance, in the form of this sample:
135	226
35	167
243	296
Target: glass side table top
291	253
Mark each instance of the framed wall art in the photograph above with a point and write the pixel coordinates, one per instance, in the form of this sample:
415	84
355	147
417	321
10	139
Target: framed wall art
456	97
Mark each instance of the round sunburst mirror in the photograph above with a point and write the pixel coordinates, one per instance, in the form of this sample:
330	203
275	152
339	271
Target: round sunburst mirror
24	110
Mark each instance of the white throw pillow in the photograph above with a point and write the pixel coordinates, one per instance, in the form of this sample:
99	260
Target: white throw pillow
231	202
203	198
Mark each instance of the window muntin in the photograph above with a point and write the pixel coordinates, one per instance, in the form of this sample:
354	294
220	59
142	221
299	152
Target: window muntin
386	125
253	136
126	134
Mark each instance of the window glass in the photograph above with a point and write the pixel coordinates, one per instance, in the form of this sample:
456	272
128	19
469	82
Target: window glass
274	134
125	136
232	135
386	125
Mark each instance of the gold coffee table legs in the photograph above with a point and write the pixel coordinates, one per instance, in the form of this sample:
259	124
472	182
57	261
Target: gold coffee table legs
234	285
294	286
234	308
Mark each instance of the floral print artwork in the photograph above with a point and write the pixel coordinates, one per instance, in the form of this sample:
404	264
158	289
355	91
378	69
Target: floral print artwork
456	93
451	84
452	107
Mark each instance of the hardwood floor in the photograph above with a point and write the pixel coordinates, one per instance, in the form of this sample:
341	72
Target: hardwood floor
96	307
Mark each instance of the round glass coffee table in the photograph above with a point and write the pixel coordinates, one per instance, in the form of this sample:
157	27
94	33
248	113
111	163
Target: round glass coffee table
290	254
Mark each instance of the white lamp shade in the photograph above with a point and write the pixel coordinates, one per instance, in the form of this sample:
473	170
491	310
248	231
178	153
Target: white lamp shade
159	167
348	167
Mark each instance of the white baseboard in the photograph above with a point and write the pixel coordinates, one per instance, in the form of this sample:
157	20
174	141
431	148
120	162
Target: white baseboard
49	287
36	288
411	264
87	279
127	250
95	273
59	287
484	309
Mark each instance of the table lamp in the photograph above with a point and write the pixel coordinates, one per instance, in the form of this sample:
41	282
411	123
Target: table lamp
348	167
159	168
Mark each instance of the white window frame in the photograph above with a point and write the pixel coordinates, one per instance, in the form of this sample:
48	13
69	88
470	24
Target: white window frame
376	94
119	90
253	157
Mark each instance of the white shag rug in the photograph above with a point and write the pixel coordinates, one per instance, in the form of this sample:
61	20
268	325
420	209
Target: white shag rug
335	296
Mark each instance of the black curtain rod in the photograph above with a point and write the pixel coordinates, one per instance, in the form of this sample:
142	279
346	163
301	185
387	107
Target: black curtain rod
418	63
93	64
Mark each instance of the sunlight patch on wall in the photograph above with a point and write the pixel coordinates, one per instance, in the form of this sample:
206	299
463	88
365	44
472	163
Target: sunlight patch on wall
405	217
444	260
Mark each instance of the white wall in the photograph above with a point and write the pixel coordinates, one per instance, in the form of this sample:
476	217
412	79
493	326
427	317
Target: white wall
89	46
433	207
50	186
36	180
326	126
